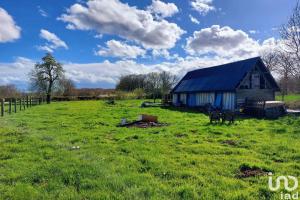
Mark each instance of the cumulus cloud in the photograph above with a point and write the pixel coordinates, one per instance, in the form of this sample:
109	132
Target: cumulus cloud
54	42
116	18
194	20
9	31
222	41
164	53
106	73
120	49
102	74
202	6
16	72
162	9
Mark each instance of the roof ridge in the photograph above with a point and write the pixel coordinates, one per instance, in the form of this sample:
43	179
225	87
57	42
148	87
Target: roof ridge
222	65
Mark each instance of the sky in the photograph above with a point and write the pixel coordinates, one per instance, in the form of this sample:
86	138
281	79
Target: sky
98	41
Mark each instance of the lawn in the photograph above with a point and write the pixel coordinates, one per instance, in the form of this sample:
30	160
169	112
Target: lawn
289	98
189	159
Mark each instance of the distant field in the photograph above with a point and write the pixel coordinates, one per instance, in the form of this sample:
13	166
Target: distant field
290	97
189	159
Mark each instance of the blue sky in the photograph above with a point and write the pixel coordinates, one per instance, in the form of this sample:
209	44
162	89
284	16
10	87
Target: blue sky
100	40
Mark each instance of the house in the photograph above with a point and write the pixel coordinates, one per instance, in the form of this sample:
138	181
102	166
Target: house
226	86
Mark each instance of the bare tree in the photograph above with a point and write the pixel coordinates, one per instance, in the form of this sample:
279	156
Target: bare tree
153	85
290	34
67	87
286	69
167	81
45	75
9	91
270	59
131	82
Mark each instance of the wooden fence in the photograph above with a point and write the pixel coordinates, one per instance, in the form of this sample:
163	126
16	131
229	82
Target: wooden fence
14	105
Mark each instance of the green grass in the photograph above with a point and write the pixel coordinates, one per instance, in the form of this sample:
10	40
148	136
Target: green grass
186	160
289	98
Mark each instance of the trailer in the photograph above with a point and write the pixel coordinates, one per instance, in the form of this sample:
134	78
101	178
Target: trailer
268	109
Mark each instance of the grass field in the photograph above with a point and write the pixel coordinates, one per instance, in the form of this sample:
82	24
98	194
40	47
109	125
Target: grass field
289	98
189	159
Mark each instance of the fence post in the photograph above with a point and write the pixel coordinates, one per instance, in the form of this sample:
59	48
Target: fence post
2	107
30	101
15	105
20	102
9	106
27	103
23	101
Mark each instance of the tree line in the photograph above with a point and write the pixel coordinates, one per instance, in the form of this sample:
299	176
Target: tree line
153	85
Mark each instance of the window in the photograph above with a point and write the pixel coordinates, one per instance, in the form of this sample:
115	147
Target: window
255	81
262	82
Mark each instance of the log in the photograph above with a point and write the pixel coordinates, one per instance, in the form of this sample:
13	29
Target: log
148	118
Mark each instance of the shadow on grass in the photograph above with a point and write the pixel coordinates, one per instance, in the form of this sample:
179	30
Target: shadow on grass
238	117
184	109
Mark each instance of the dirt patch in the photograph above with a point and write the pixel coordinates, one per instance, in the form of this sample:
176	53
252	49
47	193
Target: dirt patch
230	142
247	171
140	124
179	135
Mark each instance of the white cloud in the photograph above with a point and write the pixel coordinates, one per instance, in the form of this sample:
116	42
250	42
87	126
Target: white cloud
271	44
15	72
9	31
160	53
109	72
253	31
106	74
42	12
120	49
98	36
116	18
102	73
202	6
54	41
222	41
162	9
194	20
164	53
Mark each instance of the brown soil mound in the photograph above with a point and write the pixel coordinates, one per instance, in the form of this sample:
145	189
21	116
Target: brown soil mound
140	124
246	171
230	142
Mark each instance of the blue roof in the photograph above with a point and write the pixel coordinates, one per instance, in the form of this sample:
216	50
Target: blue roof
220	78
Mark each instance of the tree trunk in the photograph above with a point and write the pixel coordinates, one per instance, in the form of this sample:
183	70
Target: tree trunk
48	98
49	92
285	86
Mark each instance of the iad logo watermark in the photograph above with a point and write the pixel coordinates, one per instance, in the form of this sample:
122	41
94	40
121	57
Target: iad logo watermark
290	184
